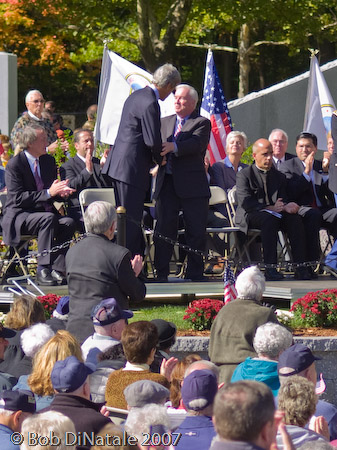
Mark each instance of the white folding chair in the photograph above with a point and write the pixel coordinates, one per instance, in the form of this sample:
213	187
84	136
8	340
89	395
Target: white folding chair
91	195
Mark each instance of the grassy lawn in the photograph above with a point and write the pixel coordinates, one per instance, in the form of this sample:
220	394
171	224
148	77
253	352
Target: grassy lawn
171	313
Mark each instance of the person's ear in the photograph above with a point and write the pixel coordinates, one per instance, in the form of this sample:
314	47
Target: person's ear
16	420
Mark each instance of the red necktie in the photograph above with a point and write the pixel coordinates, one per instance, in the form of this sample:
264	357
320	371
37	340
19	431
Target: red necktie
38	179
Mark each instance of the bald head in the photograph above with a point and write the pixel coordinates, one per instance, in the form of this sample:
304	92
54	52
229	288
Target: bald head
263	154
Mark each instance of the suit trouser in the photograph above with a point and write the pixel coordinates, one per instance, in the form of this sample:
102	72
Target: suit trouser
270	225
132	198
195	212
51	230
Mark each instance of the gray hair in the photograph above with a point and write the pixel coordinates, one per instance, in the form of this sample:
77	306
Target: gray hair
140	420
99	216
271	339
278	130
28	135
250	283
30	93
166	74
316	445
240	134
34	337
192	92
202	364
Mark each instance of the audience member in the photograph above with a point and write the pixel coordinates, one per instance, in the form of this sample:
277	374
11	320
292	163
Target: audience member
108	361
307	186
25	312
98	268
333	156
182	184
139	340
83	171
299	360
7	381
15	407
297	400
109	321
118	441
279	141
177	378
262	204
91	118
59	318
50	106
270	340
233	329
71	384
244	417
137	148
166	338
59	347
142	392
34	104
48	424
32	186
198	392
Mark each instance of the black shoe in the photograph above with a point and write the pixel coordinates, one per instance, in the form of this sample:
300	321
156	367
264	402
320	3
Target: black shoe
44	278
273	275
58	277
303	273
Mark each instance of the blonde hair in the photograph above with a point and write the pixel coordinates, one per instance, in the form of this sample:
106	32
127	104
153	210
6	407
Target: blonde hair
58	348
25	312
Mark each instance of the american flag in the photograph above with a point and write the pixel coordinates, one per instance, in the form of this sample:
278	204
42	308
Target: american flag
214	107
229	285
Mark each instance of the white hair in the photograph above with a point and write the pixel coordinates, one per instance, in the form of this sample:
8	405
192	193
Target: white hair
30	93
271	339
99	217
250	283
192	92
34	337
45	424
278	130
57	315
202	364
140	420
240	134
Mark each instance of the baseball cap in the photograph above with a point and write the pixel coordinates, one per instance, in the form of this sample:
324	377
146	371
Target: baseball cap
142	392
6	332
20	400
199	389
295	359
69	374
108	311
63	305
166	331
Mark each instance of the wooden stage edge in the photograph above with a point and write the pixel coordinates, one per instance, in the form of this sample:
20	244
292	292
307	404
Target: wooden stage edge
280	293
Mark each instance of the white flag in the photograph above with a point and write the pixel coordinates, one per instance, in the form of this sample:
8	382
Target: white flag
319	105
119	78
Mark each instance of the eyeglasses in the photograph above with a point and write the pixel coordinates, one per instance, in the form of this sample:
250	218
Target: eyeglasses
36	101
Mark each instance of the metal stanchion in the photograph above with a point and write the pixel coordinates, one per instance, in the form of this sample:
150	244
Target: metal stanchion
121	226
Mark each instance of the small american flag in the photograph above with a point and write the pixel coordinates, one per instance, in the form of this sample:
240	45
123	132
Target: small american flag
214	107
229	286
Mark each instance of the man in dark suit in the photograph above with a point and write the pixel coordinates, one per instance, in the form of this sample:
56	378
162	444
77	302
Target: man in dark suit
333	157
262	204
32	186
182	183
83	171
279	141
307	186
137	149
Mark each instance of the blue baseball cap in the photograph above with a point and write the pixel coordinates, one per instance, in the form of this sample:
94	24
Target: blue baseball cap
69	374
199	389
63	305
295	359
108	311
20	400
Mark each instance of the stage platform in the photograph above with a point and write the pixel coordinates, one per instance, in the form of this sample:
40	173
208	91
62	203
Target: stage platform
280	293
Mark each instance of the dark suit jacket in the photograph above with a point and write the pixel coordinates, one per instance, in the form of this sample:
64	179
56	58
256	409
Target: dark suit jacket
22	196
79	178
223	176
299	189
287	156
138	144
188	169
333	159
97	269
250	192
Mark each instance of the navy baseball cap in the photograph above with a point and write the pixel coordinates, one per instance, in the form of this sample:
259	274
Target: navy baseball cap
199	389
63	305
69	374
108	311
20	400
166	330
295	359
6	332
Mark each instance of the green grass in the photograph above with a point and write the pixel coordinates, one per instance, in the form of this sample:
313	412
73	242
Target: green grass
171	313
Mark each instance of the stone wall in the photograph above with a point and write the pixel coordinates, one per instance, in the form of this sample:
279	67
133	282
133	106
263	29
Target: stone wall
322	347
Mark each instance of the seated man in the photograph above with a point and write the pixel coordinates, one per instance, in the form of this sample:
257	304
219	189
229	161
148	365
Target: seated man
279	141
97	268
307	186
139	340
83	171
109	321
262	204
32	186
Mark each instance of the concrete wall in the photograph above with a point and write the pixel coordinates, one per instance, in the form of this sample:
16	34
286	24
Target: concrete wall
8	92
280	106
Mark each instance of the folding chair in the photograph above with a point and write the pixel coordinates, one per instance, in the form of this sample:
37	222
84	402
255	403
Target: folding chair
91	195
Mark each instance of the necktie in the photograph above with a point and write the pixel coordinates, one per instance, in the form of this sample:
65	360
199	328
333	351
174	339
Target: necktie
180	124
38	179
179	127
278	164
